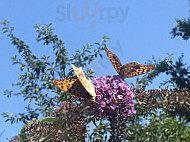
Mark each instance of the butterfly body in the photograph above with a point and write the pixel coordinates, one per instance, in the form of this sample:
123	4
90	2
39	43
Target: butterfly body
130	69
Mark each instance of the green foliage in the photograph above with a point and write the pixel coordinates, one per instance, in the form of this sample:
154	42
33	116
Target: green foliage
178	72
169	124
182	29
100	133
159	128
36	81
162	66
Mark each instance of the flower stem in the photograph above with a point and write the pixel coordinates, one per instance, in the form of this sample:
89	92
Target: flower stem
115	132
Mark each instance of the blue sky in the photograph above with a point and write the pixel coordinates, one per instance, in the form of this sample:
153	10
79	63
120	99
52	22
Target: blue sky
137	30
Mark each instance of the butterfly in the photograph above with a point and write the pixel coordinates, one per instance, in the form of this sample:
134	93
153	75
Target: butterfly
128	70
79	85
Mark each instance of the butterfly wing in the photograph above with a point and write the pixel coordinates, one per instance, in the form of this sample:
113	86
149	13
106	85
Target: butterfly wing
134	69
85	81
114	60
72	85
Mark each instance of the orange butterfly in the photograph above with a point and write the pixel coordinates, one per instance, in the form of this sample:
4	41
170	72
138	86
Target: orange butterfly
127	70
80	85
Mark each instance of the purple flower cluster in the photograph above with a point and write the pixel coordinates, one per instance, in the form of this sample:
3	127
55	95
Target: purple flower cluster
114	97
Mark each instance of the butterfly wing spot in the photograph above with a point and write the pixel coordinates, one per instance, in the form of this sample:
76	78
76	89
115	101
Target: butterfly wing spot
141	70
65	84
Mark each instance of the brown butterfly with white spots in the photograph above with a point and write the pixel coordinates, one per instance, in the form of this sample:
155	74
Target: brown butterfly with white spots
79	85
127	70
